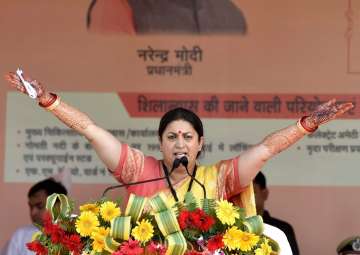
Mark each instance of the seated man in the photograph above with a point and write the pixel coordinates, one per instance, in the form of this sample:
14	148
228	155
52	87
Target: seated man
261	195
37	196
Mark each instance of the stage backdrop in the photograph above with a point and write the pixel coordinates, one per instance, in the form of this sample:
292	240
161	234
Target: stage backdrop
250	72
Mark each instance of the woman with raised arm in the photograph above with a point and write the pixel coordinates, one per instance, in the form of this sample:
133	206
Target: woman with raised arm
181	138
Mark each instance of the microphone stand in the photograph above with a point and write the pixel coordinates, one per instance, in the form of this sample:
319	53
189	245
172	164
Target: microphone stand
176	163
184	162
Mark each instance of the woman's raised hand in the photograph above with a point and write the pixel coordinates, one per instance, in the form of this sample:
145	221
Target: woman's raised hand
16	83
324	113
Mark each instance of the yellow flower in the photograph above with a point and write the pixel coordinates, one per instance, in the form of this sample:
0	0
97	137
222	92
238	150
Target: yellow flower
100	231
109	210
86	223
265	249
98	237
98	243
234	238
231	238
247	241
143	231
226	212
89	207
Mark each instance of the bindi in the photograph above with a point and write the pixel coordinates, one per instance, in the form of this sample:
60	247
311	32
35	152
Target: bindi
179	132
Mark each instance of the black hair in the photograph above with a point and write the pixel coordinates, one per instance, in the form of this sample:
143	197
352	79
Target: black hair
181	114
260	180
50	186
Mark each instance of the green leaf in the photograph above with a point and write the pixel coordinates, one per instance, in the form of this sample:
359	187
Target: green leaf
190	201
208	205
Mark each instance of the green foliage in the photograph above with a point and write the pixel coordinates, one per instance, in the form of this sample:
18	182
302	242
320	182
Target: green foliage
241	212
178	207
68	224
119	201
87	247
191	235
240	221
274	245
190	201
208	205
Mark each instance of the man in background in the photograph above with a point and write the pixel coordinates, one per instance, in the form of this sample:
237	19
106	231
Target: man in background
37	196
261	195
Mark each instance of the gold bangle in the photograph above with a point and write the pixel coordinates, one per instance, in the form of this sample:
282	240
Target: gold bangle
302	129
53	105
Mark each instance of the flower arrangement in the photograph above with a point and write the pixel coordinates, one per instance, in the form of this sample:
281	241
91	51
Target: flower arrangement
150	226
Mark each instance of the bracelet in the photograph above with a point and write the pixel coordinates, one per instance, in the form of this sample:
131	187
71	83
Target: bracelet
52	103
303	128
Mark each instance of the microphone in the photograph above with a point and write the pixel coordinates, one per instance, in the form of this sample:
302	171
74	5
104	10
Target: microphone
184	161
176	164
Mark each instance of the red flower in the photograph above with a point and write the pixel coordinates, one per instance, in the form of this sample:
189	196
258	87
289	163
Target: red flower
188	219
47	222
57	234
193	253
37	247
47	218
73	243
156	248
131	247
184	218
196	219
215	243
203	221
117	253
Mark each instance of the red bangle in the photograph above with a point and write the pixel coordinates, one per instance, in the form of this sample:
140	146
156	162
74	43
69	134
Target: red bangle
309	130
54	97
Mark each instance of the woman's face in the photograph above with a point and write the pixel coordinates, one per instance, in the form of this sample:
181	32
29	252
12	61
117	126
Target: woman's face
180	139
